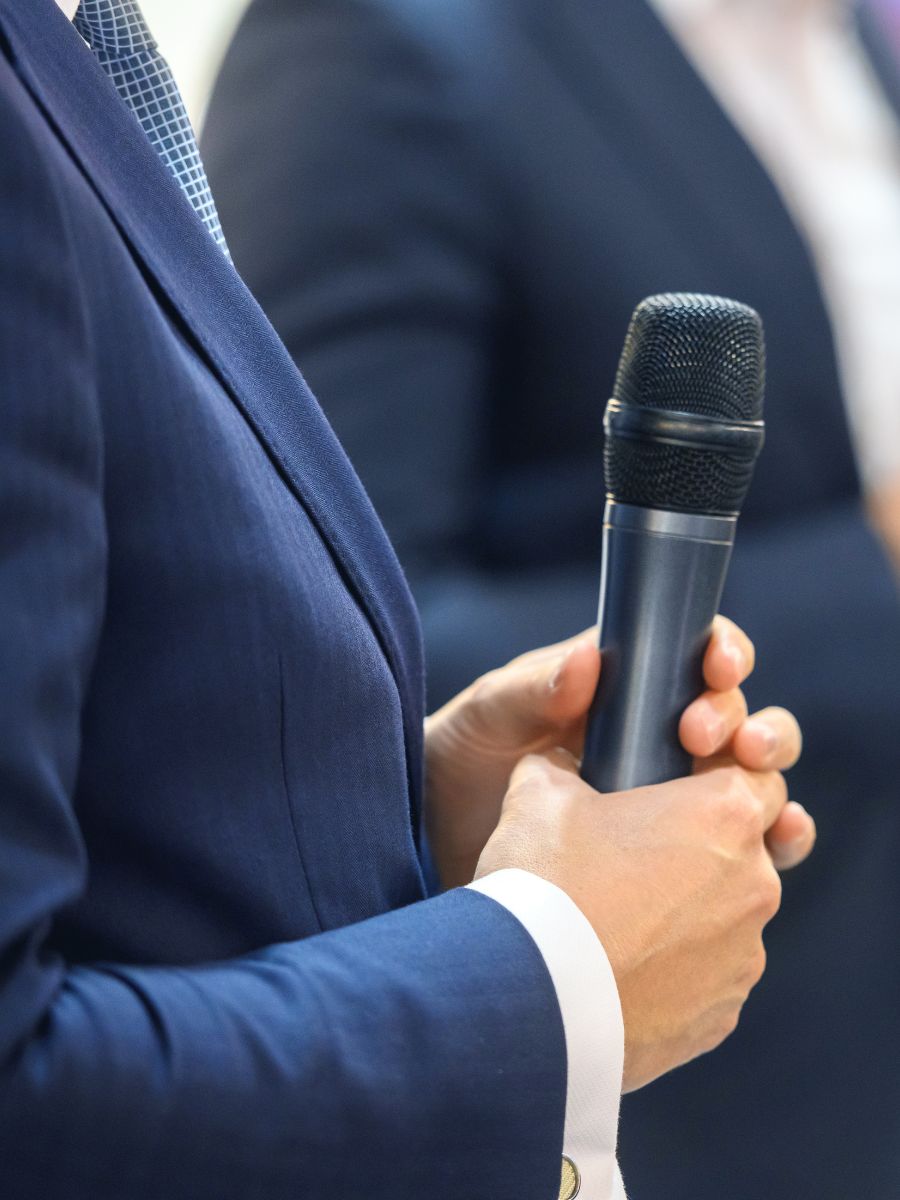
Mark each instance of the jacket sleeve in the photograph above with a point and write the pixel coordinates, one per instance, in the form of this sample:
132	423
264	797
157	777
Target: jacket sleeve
417	1054
349	164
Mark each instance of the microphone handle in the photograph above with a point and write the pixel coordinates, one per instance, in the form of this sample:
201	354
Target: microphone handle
660	587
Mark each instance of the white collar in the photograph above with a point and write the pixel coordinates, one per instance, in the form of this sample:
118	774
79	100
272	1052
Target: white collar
69	7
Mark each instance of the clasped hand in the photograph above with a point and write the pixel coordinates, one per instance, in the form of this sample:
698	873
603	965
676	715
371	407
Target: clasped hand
678	880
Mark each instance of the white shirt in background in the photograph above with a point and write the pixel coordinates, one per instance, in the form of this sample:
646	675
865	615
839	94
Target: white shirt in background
796	82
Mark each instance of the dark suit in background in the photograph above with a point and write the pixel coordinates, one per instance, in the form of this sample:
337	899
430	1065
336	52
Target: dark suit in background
449	209
210	753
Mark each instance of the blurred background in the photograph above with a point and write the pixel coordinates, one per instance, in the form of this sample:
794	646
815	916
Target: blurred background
193	35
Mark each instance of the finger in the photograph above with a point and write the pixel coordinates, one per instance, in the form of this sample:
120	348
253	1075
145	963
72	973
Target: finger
770	789
729	657
709	724
768	740
538	693
557	650
792	837
572	685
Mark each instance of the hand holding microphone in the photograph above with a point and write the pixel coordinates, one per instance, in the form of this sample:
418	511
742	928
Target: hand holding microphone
675	877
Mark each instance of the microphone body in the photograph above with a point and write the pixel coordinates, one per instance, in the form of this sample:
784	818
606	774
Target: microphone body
683	431
660	587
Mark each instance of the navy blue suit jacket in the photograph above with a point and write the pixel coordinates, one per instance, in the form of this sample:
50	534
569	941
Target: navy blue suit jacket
449	209
219	979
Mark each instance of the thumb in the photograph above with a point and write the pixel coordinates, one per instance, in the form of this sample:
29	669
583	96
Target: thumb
547	688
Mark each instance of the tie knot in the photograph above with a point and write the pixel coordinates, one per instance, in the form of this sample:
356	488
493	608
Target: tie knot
115	27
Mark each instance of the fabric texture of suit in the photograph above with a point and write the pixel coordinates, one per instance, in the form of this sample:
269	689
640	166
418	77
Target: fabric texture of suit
449	209
218	975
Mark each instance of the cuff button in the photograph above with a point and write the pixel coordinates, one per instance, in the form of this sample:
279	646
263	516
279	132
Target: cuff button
570	1183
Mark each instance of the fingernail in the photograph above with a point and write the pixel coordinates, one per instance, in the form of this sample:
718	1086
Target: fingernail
803	837
713	721
766	734
556	677
795	848
737	656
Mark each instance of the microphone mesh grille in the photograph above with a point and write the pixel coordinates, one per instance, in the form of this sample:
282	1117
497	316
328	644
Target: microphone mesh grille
696	354
657	475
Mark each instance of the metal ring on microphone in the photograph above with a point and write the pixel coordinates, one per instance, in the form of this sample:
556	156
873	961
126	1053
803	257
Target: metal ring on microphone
645	424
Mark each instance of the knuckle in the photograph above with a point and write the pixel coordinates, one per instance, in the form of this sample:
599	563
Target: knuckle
726	1024
739	803
758	966
717	1025
774	894
754	969
484	687
730	1023
559	756
768	893
528	790
537	777
526	786
779	783
775	786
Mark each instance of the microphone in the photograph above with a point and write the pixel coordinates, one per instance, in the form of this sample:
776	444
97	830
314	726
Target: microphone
683	430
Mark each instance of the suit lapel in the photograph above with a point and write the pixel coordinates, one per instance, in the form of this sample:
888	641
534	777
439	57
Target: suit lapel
225	324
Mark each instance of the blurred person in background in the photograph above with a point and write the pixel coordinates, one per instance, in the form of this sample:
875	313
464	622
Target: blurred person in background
449	208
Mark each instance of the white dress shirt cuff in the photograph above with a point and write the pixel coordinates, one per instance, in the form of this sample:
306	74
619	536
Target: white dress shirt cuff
592	1020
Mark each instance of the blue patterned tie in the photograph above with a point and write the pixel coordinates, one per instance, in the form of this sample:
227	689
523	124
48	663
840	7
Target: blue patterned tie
117	33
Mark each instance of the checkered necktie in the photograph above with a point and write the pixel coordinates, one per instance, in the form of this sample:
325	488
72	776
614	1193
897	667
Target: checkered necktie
117	33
